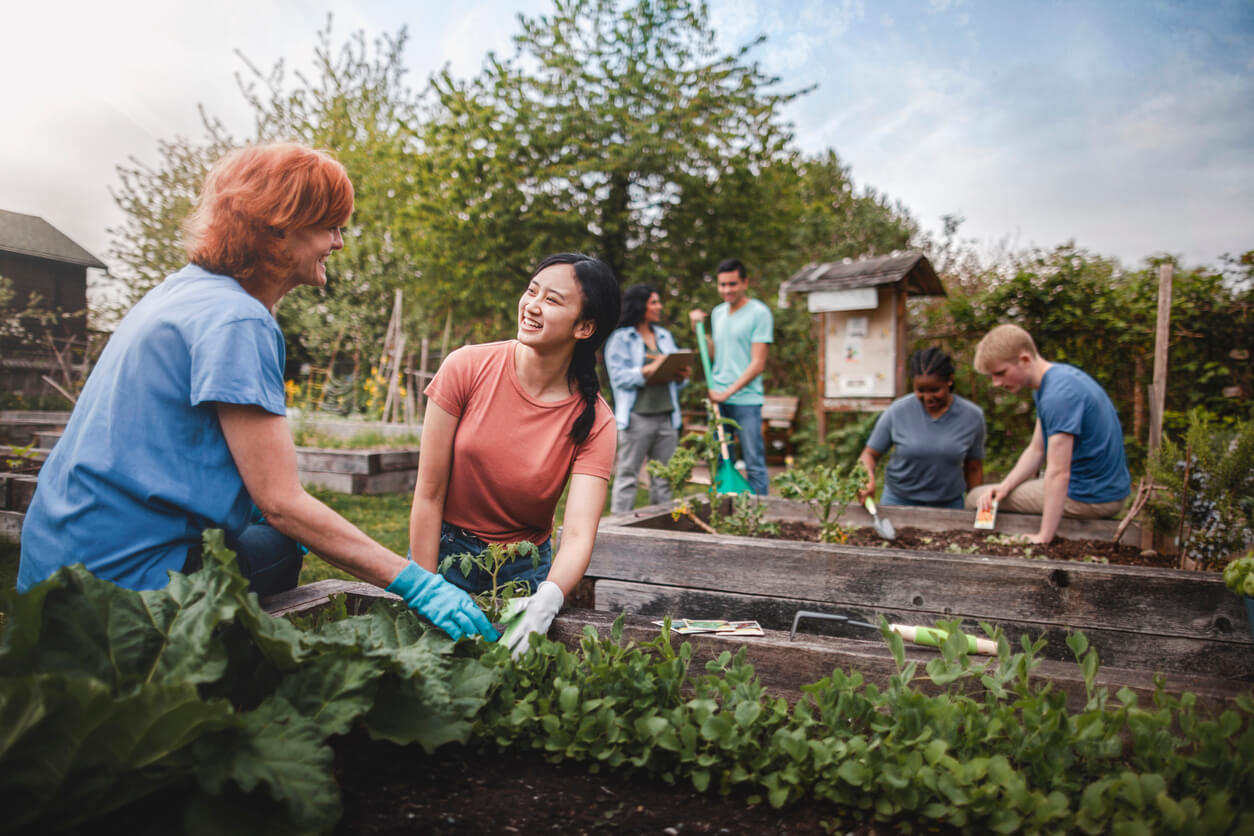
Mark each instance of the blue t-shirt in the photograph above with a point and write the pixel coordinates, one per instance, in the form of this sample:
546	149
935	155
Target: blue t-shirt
1069	401
143	467
734	336
927	462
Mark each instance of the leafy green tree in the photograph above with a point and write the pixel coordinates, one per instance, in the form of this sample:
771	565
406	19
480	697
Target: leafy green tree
155	199
615	127
357	104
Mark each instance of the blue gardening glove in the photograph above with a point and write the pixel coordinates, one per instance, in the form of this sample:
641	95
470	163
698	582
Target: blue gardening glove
447	607
533	614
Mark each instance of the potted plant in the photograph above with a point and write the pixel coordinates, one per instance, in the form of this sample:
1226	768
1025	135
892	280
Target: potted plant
1239	577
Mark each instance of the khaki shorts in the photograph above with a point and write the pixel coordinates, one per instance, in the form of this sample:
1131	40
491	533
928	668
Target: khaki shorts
1029	498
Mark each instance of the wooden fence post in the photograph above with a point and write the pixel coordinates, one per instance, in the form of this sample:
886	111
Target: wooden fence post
1158	389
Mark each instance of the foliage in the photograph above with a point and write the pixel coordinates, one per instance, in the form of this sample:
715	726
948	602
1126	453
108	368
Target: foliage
114	697
154	201
1239	575
356	103
615	127
828	489
1207	495
746	517
1012	758
193	696
1086	310
492	560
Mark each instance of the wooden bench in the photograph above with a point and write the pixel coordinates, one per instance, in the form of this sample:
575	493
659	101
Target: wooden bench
779	412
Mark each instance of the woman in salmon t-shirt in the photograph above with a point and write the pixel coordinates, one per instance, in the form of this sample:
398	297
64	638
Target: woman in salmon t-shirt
507	425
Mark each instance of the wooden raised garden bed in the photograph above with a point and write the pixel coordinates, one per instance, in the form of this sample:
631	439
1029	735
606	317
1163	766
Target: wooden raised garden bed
1141	620
359	471
22	426
784	664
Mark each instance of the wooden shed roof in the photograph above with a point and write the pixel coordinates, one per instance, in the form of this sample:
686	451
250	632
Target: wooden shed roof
913	266
33	236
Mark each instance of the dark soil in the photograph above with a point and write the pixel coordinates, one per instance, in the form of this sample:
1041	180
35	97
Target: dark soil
990	543
389	789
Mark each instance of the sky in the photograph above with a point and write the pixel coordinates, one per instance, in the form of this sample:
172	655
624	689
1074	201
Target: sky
1126	127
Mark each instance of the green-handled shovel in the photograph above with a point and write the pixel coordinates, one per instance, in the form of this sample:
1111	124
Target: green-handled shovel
728	478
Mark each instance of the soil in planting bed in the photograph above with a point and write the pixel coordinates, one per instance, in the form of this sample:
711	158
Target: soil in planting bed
390	789
978	542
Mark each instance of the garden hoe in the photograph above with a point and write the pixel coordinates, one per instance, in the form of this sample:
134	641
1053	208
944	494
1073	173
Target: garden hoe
929	636
728	478
883	528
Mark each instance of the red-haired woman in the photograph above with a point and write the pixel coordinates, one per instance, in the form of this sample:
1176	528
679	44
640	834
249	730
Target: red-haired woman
181	425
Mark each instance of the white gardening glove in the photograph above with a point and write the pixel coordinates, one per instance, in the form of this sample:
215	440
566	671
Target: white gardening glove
534	615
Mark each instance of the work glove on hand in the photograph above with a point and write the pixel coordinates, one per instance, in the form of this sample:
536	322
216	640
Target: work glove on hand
446	606
536	614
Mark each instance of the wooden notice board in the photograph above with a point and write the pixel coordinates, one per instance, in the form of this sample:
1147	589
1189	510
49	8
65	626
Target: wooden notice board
860	350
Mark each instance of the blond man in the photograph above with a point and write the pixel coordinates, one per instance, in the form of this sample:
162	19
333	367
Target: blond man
1077	437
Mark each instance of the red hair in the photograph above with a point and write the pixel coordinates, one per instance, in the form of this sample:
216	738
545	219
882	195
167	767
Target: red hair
253	197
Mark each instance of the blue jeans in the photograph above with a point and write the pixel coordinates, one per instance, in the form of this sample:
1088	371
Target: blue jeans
752	446
268	558
890	498
454	540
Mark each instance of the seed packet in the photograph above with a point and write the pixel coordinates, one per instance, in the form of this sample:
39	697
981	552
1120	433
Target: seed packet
986	518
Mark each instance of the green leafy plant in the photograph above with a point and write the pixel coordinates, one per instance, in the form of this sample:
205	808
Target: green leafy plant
1239	575
492	560
1206	497
828	489
20	457
746	517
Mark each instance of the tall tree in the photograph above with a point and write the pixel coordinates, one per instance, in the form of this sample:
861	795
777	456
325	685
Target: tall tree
615	127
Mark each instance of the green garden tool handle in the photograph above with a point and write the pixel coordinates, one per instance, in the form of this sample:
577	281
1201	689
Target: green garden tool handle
705	367
705	352
934	638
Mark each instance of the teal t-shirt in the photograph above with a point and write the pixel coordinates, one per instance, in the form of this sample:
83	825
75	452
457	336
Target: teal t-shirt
1069	401
734	335
143	467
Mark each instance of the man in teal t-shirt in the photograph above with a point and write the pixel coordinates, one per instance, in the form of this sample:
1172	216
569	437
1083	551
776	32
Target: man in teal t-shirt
742	329
1078	437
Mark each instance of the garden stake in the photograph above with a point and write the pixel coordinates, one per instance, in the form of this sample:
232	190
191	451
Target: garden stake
927	636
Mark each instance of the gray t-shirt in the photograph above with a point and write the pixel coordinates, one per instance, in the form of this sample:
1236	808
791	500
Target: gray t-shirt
926	466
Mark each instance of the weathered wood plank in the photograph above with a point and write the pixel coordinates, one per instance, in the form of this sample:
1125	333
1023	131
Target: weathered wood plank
27	416
366	462
19	490
1126	649
929	519
1079	595
315	595
11	526
395	481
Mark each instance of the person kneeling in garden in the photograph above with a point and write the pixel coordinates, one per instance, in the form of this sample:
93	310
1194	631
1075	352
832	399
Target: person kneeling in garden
181	426
1077	436
508	425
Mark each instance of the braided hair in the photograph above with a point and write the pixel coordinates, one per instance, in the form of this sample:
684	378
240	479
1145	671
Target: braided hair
932	361
598	287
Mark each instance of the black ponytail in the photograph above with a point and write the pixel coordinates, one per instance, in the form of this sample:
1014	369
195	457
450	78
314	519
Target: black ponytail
601	303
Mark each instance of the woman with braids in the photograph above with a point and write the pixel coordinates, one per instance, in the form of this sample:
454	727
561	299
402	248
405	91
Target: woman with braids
646	410
507	425
938	436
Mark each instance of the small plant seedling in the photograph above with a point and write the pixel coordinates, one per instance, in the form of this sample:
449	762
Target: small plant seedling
20	456
828	490
492	560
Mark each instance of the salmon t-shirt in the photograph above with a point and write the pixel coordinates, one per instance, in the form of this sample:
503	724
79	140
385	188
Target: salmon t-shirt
511	453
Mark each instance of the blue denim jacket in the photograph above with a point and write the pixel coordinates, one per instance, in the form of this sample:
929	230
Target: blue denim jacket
624	357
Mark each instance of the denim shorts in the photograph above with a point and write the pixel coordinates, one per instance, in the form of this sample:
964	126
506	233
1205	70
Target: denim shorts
454	541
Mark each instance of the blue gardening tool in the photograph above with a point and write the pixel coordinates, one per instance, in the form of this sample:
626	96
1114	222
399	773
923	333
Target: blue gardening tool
728	478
